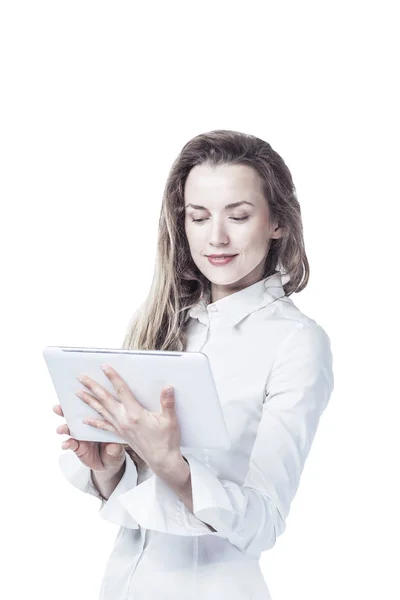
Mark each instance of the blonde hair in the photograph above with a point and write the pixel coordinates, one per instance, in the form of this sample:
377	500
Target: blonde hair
178	284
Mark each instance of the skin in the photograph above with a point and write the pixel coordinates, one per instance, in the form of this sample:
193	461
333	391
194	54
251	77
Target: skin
218	233
155	436
95	455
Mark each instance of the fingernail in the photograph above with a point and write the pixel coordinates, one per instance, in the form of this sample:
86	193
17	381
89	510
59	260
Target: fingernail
169	391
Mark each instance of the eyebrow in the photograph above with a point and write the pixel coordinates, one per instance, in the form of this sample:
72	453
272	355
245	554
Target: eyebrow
232	205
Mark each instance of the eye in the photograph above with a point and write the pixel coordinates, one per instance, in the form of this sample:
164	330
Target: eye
237	219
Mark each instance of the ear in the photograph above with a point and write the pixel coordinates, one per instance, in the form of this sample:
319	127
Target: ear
277	232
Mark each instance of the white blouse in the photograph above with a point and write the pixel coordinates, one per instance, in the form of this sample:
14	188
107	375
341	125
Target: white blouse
272	367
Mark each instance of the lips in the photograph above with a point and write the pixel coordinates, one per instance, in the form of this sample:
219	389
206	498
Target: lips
220	261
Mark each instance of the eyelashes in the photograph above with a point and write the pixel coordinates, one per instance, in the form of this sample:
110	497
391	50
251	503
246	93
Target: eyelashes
236	219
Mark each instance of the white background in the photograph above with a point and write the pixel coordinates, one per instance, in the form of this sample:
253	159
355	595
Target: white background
97	99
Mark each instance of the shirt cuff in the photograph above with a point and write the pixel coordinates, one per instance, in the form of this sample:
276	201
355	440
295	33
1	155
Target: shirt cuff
213	505
79	475
154	505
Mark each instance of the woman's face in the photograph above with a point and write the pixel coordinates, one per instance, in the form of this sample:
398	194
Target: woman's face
244	230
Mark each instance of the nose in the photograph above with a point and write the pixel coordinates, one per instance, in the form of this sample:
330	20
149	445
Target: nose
218	234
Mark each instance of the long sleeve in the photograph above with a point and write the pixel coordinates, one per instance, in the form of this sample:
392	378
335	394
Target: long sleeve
251	516
112	510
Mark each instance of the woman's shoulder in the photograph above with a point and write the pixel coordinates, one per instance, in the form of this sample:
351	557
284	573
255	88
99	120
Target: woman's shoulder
290	320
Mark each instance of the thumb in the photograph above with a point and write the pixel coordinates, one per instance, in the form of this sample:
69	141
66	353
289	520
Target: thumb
168	401
114	450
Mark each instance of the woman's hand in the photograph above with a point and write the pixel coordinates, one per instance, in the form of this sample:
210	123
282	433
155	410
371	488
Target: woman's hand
99	456
154	436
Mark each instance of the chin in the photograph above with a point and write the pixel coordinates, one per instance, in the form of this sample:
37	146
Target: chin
225	278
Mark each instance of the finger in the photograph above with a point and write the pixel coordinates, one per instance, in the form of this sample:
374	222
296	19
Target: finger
70	444
123	392
100	424
114	449
58	410
79	447
63	429
100	395
96	404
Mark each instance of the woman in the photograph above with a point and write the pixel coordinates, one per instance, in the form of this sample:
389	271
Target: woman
195	526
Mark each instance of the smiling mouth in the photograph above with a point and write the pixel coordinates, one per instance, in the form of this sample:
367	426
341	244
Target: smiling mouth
222	260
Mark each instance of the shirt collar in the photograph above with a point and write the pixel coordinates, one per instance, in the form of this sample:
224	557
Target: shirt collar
237	306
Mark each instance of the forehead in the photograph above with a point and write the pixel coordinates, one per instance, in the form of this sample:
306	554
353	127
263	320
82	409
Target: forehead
222	183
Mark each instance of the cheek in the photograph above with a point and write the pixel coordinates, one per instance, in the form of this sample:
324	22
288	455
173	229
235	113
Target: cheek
254	238
193	235
250	233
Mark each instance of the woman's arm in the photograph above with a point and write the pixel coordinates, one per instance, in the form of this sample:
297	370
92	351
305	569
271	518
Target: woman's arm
105	482
252	515
103	486
178	477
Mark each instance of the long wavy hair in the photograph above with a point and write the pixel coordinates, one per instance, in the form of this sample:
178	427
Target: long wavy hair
178	284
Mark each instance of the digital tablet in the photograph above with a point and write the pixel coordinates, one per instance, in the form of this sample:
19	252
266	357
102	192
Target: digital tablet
146	372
